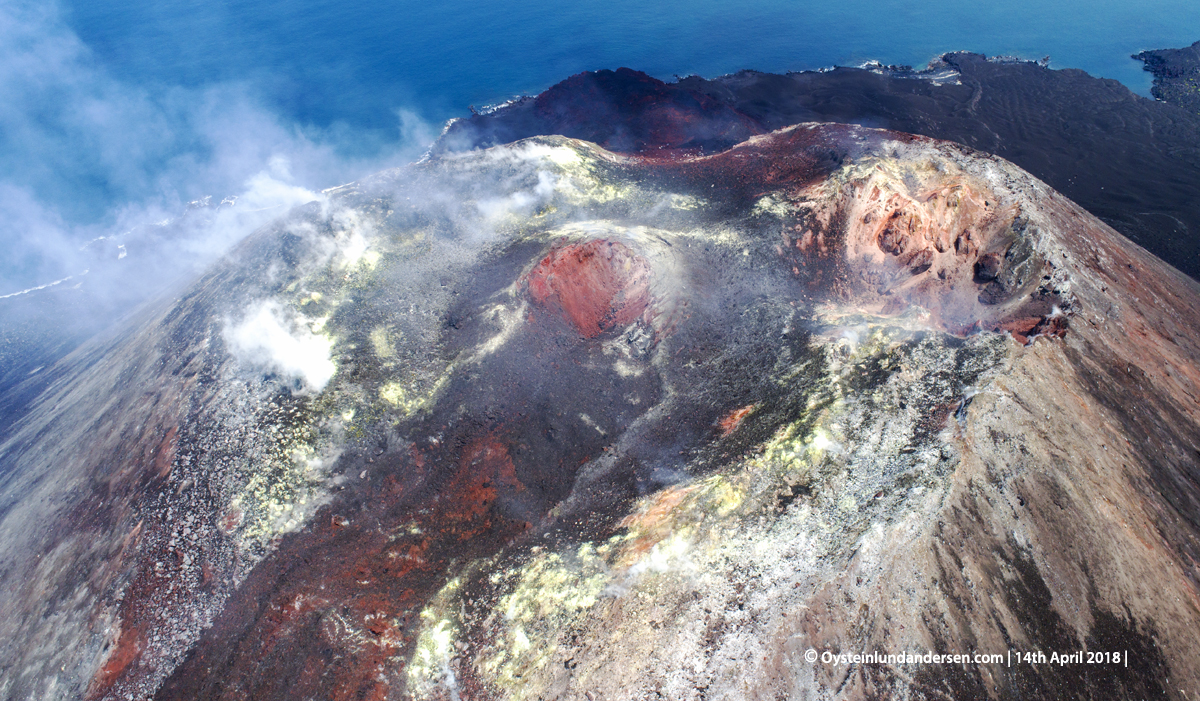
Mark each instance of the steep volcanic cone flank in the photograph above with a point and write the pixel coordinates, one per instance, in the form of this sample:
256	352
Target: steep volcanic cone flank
597	285
669	418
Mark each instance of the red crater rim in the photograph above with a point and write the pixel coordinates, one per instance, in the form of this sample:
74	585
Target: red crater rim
596	286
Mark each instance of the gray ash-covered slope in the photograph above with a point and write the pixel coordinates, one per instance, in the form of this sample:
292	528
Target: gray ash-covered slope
1176	75
1128	160
105	280
545	421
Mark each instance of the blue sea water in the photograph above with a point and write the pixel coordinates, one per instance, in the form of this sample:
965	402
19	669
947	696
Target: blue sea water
115	111
323	61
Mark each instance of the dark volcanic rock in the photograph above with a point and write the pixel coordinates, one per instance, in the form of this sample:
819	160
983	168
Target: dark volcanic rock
1128	160
1176	75
622	110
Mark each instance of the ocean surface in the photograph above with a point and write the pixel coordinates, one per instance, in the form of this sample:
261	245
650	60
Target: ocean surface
322	61
116	113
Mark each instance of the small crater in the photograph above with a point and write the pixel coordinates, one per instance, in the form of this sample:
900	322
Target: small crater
597	286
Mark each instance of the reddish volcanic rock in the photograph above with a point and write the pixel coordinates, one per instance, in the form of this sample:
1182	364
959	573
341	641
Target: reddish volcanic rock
125	651
487	470
597	285
1025	328
729	423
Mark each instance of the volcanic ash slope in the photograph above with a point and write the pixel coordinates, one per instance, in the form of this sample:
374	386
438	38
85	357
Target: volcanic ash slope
542	421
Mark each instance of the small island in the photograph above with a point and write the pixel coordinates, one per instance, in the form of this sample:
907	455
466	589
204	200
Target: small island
1176	75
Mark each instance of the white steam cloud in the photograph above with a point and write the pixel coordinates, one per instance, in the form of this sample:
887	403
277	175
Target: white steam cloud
272	339
521	201
87	157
